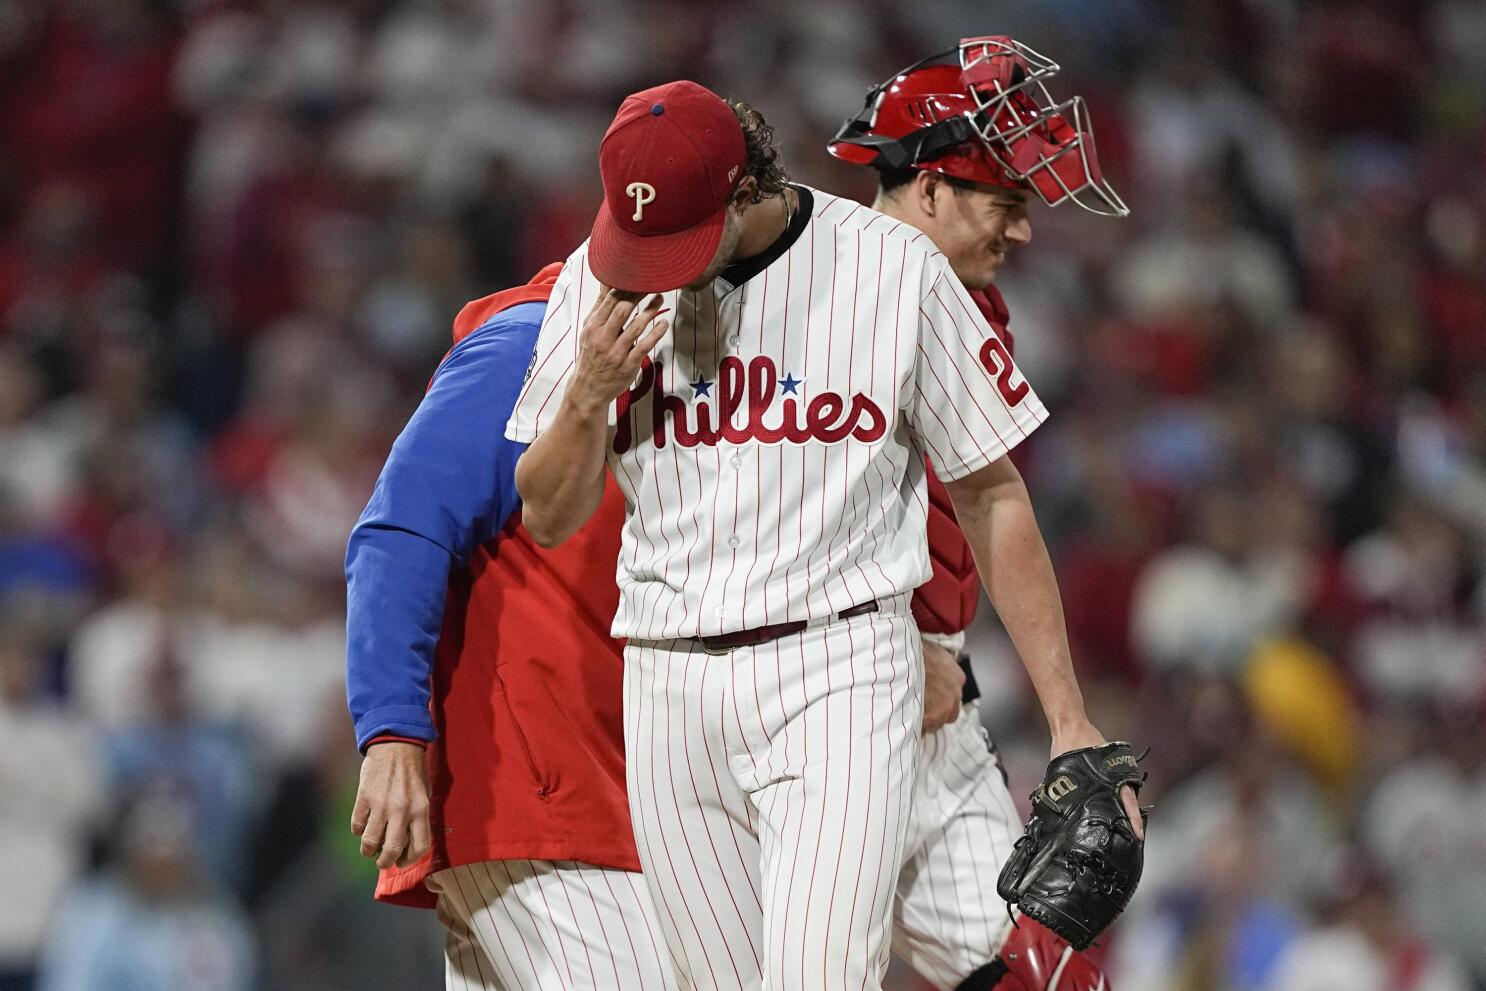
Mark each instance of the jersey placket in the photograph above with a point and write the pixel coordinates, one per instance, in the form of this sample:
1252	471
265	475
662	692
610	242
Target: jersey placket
723	490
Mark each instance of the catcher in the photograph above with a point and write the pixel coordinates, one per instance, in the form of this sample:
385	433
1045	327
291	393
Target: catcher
959	141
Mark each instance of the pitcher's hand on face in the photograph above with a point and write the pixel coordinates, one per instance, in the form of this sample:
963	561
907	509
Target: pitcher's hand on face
944	686
615	337
391	813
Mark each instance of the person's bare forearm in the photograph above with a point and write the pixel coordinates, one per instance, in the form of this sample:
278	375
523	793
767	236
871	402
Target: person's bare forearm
560	478
995	513
561	475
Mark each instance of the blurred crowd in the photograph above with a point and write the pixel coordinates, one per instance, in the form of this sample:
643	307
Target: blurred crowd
233	234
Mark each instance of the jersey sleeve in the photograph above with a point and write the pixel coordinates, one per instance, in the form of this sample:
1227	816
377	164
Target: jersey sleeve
969	403
556	353
448	486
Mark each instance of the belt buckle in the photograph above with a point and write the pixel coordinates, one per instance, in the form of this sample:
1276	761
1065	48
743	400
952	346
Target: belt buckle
714	651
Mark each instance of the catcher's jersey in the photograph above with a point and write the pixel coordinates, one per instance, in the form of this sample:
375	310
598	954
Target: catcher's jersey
771	450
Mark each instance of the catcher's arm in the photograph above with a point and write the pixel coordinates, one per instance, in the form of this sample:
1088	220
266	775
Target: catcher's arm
995	513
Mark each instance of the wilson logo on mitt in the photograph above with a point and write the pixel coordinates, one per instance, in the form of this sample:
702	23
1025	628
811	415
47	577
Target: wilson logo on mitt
1058	788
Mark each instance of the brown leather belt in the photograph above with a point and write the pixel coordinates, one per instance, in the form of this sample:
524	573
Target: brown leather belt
763	634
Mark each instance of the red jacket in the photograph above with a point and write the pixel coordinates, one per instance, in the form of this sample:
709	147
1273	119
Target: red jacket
527	693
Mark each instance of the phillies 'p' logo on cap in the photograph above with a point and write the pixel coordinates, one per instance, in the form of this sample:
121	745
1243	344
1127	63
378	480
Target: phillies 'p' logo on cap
669	161
643	193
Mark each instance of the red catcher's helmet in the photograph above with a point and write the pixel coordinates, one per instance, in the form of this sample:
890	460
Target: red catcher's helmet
986	116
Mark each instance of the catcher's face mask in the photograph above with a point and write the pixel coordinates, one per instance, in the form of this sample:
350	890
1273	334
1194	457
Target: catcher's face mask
999	103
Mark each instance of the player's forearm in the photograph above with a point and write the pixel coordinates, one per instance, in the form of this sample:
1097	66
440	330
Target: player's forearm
561	475
996	515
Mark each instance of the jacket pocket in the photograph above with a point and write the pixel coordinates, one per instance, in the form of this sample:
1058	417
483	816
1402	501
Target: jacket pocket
507	712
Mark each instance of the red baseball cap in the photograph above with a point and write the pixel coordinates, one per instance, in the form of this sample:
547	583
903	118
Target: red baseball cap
670	161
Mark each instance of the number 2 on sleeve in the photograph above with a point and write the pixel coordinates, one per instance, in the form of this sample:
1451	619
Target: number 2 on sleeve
997	361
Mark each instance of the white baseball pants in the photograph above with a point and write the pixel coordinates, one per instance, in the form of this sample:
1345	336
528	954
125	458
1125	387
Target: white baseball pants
770	789
948	919
543	925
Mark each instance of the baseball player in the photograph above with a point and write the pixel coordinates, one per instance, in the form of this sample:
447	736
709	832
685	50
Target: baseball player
942	151
514	825
769	445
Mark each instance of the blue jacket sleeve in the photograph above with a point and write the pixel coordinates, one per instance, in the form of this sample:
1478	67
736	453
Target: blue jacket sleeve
448	486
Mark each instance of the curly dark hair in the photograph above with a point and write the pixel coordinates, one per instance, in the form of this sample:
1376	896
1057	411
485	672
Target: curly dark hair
763	156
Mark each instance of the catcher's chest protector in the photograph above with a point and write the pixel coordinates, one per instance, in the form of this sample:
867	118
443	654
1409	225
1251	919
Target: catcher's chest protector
946	602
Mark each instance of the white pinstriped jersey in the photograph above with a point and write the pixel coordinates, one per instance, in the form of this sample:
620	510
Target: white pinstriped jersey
771	450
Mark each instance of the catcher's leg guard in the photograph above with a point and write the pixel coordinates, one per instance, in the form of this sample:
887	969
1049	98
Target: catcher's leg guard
1034	958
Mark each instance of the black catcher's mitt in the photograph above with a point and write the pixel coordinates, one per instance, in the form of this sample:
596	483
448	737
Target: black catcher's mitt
1077	865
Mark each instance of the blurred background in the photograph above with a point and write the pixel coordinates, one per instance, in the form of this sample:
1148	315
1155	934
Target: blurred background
233	234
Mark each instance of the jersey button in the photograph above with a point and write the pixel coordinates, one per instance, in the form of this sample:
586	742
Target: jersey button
733	541
736	461
733	341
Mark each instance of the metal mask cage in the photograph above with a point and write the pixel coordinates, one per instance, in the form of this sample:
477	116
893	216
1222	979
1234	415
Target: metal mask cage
1031	112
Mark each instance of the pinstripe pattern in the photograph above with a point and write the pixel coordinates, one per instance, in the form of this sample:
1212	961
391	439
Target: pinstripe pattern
769	789
727	534
948	919
541	925
466	967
